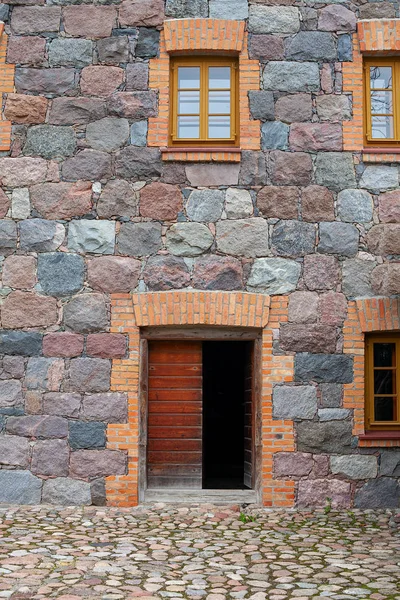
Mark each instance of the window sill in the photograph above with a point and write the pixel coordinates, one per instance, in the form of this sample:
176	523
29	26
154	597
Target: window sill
380	439
378	155
202	154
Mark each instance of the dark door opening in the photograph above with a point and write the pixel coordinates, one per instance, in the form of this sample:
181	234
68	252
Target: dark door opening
225	422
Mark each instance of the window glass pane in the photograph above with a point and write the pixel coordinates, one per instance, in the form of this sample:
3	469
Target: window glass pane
189	77
384	382
381	103
219	103
188	103
189	127
381	77
382	128
384	355
385	409
219	77
219	127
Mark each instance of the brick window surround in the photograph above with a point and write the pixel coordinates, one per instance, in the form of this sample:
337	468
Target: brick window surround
213	37
7	73
375	37
365	316
224	309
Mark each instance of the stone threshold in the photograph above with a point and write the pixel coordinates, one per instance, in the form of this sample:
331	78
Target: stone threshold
183	496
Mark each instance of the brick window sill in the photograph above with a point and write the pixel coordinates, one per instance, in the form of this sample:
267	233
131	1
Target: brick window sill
380	439
379	155
203	154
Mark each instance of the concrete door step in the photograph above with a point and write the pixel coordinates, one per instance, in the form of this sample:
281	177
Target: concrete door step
201	496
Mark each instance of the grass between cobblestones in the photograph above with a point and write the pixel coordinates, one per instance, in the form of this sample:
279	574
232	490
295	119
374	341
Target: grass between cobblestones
198	552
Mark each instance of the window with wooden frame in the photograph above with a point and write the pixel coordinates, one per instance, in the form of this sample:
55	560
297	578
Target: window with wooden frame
204	108
383	381
382	101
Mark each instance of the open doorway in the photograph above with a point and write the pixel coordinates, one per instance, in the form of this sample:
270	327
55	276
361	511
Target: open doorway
224	408
200	415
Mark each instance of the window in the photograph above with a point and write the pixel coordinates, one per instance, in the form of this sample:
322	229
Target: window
382	97
204	98
383	381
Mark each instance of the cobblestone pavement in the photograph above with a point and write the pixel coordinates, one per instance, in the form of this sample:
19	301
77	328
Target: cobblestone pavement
197	551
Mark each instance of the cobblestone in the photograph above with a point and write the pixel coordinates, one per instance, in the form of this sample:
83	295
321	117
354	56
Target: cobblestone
197	551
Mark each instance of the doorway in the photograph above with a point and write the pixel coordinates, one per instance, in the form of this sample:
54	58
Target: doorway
200	415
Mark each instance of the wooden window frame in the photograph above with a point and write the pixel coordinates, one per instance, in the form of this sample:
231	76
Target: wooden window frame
204	61
370	339
369	141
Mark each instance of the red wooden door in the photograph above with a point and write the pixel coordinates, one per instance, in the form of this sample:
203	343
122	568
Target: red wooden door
174	451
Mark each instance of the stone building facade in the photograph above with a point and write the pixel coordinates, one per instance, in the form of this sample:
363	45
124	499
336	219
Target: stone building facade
293	237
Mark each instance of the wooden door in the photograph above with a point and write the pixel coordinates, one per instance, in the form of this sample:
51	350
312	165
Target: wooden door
174	452
248	416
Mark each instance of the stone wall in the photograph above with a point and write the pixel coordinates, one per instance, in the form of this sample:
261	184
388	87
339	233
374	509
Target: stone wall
87	210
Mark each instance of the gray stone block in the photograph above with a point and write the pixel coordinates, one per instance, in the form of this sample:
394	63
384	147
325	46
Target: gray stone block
14	451
253	169
355	206
50	141
273	19
390	463
274	275
69	52
380	178
338	238
61	274
291	76
20	203
111	407
345	48
229	9
88	165
335	170
113	50
205	205
20	487
10	393
148	43
334	414
139	133
294	402
62	404
184	9
205	175
50	458
357	466
293	238
140	163
378	493
139	239
41	373
108	134
38	426
89	375
262	105
311	45
238	204
137	76
357	278
39	235
86	313
244	237
66	492
323	368
21	343
189	239
98	492
333	437
274	136
331	395
97	237
8	235
87	435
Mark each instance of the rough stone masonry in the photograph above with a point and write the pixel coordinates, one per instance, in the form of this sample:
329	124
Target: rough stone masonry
88	209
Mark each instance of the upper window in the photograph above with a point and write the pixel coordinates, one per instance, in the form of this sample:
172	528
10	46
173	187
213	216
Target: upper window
383	381
204	102
382	97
